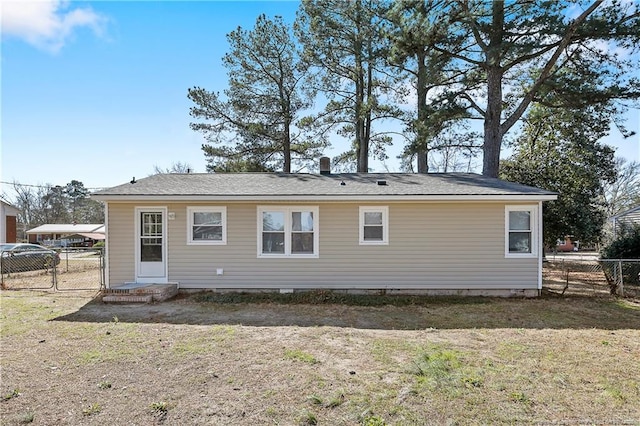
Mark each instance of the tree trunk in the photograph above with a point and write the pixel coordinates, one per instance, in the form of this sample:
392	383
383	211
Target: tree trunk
492	131
362	141
286	149
493	115
421	133
367	116
362	148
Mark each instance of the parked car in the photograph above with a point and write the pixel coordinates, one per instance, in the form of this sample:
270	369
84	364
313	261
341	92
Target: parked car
26	257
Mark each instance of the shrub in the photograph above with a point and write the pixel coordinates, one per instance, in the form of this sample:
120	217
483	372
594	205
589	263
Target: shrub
627	246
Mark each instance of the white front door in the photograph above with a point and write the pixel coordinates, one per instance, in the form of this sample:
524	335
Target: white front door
151	244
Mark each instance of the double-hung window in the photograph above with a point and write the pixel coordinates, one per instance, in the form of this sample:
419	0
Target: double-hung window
206	225
374	225
288	231
520	231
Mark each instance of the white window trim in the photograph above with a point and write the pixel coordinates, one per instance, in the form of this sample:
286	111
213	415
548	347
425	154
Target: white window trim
206	209
287	210
533	211
385	225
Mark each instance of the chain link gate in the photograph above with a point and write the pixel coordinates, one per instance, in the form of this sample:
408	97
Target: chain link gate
613	276
71	269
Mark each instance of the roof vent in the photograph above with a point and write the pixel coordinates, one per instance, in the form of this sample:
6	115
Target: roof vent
382	182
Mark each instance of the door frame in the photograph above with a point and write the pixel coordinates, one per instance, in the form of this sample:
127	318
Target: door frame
165	258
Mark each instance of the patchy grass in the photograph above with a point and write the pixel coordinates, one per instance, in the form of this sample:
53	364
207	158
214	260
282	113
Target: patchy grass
11	394
92	409
351	359
26	418
298	355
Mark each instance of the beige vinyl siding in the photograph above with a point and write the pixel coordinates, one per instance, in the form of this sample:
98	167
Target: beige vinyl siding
629	219
431	246
120	243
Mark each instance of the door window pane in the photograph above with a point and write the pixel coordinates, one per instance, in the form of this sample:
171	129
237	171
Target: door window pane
151	238
151	249
151	224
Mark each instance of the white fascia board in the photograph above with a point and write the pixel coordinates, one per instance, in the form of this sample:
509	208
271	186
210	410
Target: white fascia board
334	198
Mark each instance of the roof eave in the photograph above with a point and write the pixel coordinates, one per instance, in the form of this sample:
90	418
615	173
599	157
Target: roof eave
335	198
625	213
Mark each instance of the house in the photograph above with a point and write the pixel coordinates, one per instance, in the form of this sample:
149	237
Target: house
60	234
428	233
626	218
567	244
8	222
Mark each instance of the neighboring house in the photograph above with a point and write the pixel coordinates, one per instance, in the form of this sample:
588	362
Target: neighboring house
437	233
8	222
626	218
568	244
59	234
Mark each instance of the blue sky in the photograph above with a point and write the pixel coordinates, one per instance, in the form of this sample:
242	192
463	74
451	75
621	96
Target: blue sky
97	91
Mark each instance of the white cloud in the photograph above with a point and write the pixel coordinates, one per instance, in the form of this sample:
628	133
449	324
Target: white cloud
46	24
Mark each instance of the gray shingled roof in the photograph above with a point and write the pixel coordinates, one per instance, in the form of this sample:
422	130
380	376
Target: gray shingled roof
266	185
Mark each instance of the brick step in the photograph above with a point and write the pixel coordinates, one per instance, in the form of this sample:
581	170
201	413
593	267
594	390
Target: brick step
141	293
127	298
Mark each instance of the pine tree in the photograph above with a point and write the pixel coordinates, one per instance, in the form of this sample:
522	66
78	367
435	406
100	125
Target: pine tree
253	124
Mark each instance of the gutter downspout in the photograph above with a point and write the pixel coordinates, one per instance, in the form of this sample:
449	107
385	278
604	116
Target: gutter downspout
541	251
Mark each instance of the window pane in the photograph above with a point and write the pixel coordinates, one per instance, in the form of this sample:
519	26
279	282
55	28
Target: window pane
302	221
519	242
520	221
207	218
373	233
302	243
273	221
207	233
151	224
273	242
151	249
373	218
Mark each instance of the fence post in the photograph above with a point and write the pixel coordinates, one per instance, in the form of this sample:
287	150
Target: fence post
102	269
620	279
54	276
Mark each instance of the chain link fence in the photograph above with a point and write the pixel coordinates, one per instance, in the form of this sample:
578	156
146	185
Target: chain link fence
592	276
83	269
30	268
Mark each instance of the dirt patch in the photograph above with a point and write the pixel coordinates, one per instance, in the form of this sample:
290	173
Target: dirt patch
69	359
